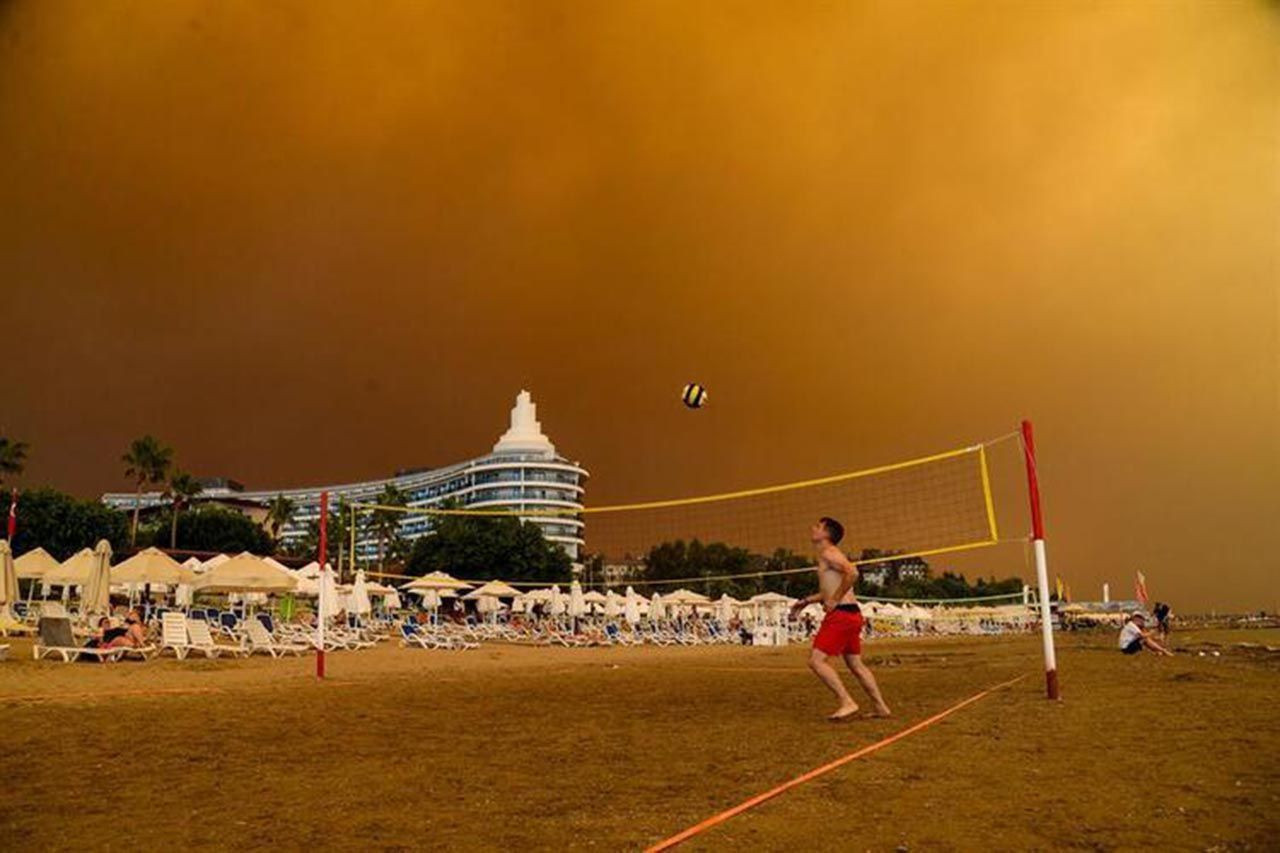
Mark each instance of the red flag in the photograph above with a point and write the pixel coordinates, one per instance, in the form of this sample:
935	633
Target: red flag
13	514
1140	588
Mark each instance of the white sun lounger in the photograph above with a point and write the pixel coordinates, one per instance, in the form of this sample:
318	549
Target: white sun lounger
56	639
260	640
173	634
200	639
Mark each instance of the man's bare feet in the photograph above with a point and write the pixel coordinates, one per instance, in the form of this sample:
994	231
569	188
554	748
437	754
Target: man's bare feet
882	711
845	712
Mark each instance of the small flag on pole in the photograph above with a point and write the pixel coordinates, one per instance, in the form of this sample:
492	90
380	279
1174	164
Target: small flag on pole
13	514
1140	589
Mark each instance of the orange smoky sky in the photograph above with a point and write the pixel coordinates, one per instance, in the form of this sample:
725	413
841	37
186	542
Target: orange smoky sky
309	242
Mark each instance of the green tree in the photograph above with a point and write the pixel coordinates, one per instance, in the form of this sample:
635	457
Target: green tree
217	528
181	489
487	547
279	513
386	524
13	457
62	524
146	462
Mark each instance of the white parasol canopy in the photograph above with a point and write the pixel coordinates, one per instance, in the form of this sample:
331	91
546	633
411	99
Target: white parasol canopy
437	581
73	570
150	565
34	564
493	589
244	572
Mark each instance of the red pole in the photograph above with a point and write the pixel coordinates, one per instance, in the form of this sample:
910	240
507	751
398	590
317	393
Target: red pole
1042	566
324	556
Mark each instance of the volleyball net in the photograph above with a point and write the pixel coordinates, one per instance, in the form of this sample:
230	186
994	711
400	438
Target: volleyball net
892	514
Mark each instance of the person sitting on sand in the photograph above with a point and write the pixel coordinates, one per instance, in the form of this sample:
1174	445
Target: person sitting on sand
1134	637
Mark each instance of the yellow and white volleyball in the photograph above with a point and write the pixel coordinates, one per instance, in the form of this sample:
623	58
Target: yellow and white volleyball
694	395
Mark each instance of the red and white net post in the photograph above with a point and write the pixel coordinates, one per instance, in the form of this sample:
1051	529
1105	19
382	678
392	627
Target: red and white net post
1042	566
324	567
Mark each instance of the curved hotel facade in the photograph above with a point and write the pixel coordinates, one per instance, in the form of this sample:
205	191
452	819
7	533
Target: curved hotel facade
523	472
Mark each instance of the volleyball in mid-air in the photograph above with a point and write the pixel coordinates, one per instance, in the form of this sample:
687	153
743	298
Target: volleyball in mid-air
694	395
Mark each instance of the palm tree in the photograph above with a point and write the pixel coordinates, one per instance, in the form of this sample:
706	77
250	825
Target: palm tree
13	456
279	512
146	462
386	522
182	488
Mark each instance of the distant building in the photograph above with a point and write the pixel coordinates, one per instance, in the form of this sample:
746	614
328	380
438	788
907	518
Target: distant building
523	472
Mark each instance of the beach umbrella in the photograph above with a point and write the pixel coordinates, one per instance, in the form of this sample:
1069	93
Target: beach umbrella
150	565
436	581
556	606
614	605
330	596
724	608
430	598
493	589
391	601
95	596
8	580
596	597
216	560
520	605
73	570
360	603
244	573
577	606
34	564
685	597
631	608
657	609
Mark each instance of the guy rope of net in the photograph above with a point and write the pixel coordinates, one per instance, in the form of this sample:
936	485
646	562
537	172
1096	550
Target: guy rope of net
923	507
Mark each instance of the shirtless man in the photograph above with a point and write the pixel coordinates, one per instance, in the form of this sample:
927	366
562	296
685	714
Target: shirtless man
841	630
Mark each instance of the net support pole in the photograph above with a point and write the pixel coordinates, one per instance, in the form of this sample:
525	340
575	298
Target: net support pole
323	560
1042	565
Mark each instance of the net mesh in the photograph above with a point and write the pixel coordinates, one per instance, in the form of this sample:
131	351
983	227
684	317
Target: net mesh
933	505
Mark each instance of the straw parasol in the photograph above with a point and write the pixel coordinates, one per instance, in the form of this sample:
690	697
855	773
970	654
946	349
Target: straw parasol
34	564
8	580
245	573
150	565
95	595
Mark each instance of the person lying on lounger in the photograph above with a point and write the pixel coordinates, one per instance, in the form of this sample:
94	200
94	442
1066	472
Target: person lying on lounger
132	636
105	635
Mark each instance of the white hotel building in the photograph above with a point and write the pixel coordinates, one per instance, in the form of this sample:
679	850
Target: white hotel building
523	472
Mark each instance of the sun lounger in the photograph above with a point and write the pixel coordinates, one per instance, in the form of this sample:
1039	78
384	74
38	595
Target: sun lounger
260	640
200	639
173	635
56	639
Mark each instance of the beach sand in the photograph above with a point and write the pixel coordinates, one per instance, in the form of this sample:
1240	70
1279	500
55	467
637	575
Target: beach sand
617	748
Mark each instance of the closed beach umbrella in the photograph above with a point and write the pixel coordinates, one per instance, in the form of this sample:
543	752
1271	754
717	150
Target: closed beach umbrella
724	608
360	595
577	605
556	606
95	596
632	607
391	601
8	580
430	598
613	605
34	564
330	597
657	610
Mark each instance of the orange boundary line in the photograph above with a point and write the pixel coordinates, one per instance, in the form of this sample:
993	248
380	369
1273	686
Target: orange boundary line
723	816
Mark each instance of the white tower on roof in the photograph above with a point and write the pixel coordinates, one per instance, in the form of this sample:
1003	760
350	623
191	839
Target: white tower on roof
525	434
